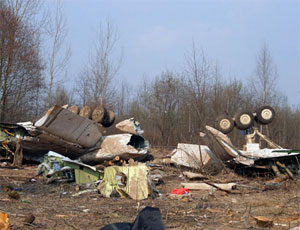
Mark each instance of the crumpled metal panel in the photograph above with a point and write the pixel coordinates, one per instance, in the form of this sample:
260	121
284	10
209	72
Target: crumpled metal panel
135	183
130	126
70	126
197	157
125	146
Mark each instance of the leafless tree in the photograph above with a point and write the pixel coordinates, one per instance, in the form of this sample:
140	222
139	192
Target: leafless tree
61	95
57	32
264	80
161	100
104	64
198	73
20	58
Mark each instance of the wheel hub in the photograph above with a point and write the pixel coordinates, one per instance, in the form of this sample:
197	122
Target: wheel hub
224	124
266	114
245	119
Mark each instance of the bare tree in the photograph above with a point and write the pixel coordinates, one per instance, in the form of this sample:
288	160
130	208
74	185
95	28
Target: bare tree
57	33
61	96
264	81
161	100
103	67
26	11
198	71
20	58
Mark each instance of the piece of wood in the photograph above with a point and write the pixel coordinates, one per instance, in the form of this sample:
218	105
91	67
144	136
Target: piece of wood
263	221
86	112
18	155
220	188
276	170
163	161
29	218
74	109
192	175
209	186
98	113
288	172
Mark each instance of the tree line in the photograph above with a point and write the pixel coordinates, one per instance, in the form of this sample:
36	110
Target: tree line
172	107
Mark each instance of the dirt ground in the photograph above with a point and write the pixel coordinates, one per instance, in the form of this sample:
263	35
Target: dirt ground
54	207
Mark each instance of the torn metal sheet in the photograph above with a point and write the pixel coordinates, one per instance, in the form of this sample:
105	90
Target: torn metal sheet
56	167
126	180
38	142
254	157
42	143
70	126
73	136
125	146
130	126
218	143
197	157
270	153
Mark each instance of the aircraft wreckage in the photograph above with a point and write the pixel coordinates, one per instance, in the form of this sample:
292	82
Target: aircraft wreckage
219	151
72	134
75	136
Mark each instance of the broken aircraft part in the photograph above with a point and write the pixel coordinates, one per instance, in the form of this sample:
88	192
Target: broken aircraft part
73	136
125	146
211	140
254	157
126	180
56	167
60	122
198	157
130	126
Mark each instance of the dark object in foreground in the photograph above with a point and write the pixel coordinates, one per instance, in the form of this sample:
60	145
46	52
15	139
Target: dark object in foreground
149	218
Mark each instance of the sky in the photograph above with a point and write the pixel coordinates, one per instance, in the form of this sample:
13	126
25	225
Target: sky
156	35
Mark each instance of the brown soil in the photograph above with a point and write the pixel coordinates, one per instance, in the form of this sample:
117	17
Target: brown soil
54	207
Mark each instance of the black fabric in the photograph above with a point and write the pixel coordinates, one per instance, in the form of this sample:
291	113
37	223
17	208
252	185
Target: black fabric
148	219
118	226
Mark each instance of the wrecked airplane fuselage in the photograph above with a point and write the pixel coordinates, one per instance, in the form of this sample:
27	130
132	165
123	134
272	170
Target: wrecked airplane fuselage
286	161
74	136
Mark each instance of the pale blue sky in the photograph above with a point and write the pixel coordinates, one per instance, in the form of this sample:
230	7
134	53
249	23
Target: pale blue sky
155	35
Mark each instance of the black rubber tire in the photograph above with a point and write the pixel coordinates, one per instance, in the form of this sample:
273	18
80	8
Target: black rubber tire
108	119
224	123
244	120
265	114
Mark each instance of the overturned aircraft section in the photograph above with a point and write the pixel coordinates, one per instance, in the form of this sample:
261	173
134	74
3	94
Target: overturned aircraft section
218	151
75	136
275	158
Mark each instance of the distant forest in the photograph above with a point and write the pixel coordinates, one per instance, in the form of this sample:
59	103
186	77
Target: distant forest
172	107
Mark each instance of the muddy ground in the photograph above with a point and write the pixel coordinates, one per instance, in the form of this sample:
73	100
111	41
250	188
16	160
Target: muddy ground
54	207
